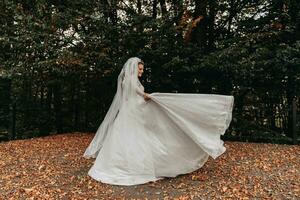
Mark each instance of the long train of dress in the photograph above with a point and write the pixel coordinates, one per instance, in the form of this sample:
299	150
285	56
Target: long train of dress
171	134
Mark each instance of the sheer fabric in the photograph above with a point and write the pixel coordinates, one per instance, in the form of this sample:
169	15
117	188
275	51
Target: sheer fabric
171	134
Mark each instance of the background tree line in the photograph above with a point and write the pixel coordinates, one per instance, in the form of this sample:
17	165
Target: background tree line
60	59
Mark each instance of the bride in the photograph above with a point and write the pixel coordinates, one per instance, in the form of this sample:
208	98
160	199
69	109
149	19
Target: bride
145	137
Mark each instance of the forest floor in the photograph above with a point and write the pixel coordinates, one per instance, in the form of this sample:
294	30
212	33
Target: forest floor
52	167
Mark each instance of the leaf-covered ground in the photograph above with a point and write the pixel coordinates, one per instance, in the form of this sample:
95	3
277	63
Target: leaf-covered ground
52	167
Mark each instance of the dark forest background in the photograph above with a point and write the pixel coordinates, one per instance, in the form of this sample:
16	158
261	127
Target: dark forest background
59	61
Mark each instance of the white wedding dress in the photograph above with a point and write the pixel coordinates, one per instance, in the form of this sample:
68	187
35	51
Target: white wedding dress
171	134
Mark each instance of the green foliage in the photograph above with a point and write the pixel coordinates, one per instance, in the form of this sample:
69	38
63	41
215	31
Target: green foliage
63	57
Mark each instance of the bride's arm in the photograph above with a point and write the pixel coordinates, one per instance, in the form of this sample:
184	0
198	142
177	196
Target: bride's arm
142	93
146	96
139	91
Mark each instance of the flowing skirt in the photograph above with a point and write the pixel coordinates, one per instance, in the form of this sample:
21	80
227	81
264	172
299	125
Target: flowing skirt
171	134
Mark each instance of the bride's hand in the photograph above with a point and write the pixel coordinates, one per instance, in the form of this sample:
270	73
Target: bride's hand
147	96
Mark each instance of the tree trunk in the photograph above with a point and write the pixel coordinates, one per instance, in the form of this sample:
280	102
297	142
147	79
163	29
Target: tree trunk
57	102
177	7
290	94
139	7
86	100
77	105
109	9
140	27
199	34
211	23
154	9
163	7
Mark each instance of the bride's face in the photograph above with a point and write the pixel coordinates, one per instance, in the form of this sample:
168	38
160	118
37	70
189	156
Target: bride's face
140	69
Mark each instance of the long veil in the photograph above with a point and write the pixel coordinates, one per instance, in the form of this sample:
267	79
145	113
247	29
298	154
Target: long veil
126	89
173	133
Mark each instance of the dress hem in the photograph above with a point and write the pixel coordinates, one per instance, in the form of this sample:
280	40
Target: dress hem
137	179
126	181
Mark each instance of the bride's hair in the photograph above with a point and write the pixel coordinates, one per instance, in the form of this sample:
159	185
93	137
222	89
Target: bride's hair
141	62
